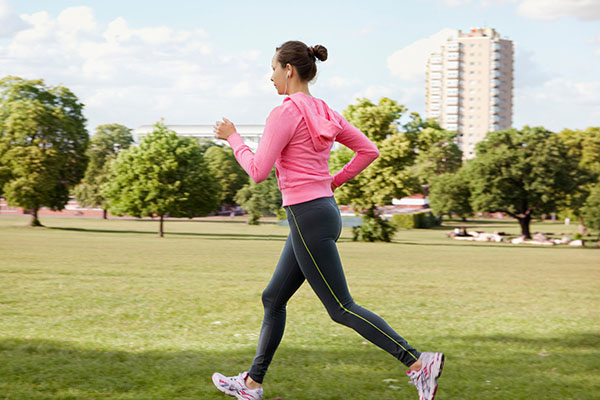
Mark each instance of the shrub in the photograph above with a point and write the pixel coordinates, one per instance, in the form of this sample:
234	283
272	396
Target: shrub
373	229
421	220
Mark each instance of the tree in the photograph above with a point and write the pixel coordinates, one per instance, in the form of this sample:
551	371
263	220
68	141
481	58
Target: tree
106	143
387	177
584	145
521	173
590	211
450	194
165	175
43	141
230	176
259	199
437	154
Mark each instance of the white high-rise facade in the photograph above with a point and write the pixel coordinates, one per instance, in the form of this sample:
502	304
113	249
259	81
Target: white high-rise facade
470	86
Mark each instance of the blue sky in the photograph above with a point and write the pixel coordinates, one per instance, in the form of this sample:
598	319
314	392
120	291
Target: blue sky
191	62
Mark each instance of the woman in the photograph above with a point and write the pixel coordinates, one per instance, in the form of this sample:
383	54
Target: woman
297	139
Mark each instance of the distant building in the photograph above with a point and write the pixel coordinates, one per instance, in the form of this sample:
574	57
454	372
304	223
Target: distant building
204	133
469	86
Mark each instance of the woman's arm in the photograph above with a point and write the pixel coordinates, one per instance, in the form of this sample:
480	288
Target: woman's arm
366	152
279	129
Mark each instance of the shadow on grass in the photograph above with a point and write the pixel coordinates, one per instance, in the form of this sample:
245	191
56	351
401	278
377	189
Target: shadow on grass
228	236
490	367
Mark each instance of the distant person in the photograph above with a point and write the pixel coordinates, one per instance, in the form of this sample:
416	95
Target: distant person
297	139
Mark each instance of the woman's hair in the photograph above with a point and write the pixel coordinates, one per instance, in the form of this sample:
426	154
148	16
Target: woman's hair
302	57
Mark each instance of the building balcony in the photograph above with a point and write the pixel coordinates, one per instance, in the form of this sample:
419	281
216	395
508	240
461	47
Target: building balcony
452	56
495	65
452	83
452	65
495	82
436	83
452	100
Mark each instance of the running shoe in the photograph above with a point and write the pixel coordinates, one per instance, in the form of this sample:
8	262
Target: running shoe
236	386
426	378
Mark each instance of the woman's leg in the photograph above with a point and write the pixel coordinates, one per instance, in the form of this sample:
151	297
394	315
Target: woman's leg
286	279
314	227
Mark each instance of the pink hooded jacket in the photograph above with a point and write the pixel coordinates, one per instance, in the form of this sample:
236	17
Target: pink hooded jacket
297	139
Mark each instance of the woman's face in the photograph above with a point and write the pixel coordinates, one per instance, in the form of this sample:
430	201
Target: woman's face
278	76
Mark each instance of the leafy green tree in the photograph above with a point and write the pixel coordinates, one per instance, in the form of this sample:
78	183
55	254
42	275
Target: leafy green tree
230	176
106	143
387	177
43	141
165	175
437	154
522	173
584	145
260	199
590	211
450	194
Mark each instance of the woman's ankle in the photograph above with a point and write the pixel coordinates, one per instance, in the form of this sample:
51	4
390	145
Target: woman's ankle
417	365
251	384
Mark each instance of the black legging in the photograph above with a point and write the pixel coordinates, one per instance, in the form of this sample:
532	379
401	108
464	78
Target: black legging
310	253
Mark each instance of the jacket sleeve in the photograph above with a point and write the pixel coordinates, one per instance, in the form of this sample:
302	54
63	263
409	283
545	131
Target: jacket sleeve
366	152
279	129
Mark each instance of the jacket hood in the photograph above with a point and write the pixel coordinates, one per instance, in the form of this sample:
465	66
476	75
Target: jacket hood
321	121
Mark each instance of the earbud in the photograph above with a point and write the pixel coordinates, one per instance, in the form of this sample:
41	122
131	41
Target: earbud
288	74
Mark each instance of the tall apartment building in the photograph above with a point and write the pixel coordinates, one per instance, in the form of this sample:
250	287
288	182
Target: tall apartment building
470	85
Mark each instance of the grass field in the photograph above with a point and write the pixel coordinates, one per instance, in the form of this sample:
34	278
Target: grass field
93	309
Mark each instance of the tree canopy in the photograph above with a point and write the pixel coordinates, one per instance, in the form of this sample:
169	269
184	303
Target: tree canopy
43	142
228	173
105	144
165	175
259	199
523	173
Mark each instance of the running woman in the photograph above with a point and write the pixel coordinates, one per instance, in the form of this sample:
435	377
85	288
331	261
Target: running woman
297	139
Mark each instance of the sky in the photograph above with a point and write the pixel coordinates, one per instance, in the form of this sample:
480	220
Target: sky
192	62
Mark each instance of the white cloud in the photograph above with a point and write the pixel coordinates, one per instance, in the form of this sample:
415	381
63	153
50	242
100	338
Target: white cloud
375	92
409	62
555	9
136	76
559	103
10	23
586	10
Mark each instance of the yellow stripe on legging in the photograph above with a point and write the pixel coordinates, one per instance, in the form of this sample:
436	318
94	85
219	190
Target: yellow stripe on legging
335	297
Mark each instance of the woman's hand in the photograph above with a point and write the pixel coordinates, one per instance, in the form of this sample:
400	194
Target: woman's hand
224	129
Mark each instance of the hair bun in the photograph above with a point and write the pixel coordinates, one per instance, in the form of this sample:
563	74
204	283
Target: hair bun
319	51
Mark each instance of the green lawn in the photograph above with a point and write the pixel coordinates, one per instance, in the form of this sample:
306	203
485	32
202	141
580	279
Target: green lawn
93	309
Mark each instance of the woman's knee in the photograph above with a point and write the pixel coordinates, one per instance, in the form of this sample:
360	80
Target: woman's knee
269	300
338	315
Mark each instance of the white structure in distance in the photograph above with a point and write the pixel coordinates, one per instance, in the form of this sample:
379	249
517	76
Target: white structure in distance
251	133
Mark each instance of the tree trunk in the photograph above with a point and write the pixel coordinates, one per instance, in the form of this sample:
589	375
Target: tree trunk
104	213
582	228
160	229
524	222
34	218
